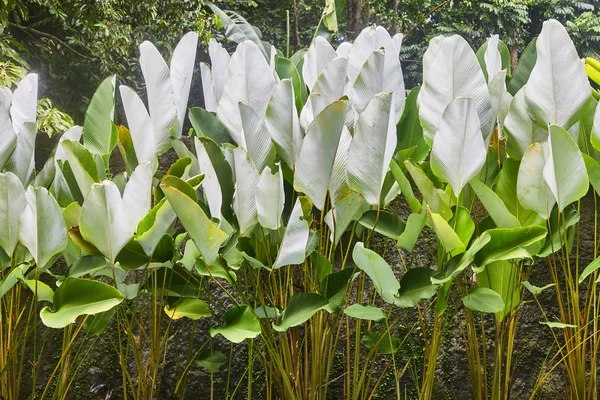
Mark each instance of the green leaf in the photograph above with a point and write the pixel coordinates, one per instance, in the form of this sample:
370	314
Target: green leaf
524	67
458	151
267	312
508	243
378	270
593	266
414	225
384	223
482	299
211	360
502	277
82	164
154	226
415	286
565	171
409	132
558	89
593	170
405	187
287	70
42	227
494	205
365	312
335	286
188	307
300	308
96	324
535	290
43	292
76	297
240	324
206	124
428	191
383	342
559	325
99	131
207	236
447	236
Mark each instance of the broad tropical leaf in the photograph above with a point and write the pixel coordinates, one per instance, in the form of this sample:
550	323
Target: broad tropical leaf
483	299
250	81
207	236
565	171
270	199
451	70
378	270
372	148
458	151
282	122
558	89
99	131
240	324
532	190
301	307
41	226
140	124
105	220
23	113
295	239
76	297
316	156
8	137
521	130
12	203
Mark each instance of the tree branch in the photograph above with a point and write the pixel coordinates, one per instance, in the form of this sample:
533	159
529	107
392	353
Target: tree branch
40	33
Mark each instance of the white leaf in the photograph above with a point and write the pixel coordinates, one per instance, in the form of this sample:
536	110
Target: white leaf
140	124
372	148
458	151
532	190
257	140
270	199
210	184
41	226
520	129
23	113
250	81
314	164
330	83
381	73
137	195
74	133
338	186
314	105
558	88
319	54
343	49
369	40
12	203
492	58
182	69
451	70
208	88
565	171
219	60
105	220
161	102
282	122
8	137
293	245
246	180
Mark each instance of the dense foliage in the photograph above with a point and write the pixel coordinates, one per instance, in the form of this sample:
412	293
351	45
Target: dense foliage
273	223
